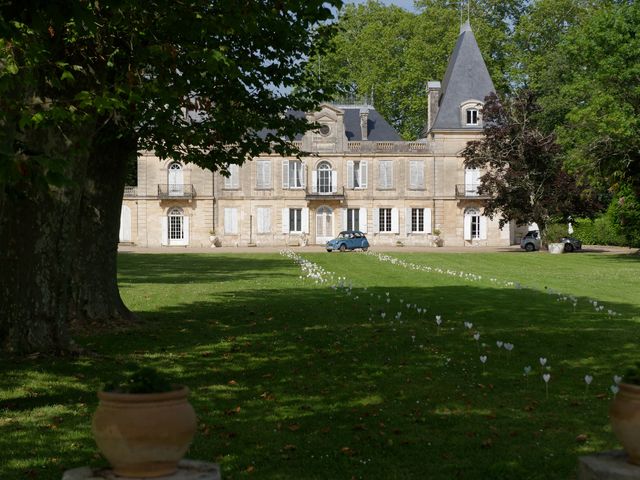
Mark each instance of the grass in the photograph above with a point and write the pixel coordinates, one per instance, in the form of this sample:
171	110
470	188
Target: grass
293	380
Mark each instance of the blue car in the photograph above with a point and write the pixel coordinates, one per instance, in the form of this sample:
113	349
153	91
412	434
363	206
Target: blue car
348	240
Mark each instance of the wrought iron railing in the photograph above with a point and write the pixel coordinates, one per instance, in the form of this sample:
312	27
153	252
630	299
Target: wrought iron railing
469	191
176	190
311	195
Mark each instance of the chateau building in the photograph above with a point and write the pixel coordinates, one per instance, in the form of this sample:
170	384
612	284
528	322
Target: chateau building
359	175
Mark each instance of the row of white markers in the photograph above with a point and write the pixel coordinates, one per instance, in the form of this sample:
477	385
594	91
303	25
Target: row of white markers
322	277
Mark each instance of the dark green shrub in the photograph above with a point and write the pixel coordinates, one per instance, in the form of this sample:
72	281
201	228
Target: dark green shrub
632	375
141	380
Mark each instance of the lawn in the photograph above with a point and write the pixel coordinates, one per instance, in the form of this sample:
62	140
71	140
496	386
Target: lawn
292	378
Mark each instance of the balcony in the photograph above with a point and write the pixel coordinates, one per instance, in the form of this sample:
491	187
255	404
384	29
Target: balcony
176	190
337	195
469	191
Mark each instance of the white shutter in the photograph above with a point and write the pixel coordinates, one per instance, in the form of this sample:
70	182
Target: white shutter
266	224
483	227
164	226
305	220
227	181
266	174
350	174
413	174
334	181
344	218
381	174
363	220
124	235
235	176
227	221
285	220
185	230
314	181
260	220
467	227
407	221
376	220
234	221
420	174
285	174
389	174
471	182
303	174
363	174
427	220
395	227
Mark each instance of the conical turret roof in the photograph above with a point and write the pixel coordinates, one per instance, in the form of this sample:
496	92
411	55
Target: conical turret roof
466	78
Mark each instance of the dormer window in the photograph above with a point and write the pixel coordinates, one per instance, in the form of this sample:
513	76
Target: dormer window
472	116
470	113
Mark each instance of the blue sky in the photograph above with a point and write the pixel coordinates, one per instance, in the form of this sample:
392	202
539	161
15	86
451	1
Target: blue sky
406	4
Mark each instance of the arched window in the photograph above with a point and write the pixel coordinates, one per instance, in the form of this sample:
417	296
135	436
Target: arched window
175	179
176	225
475	225
470	113
325	178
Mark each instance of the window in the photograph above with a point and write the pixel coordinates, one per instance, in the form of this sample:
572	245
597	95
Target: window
385	220
233	180
416	174
325	130
175	180
176	224
323	177
357	174
292	174
417	220
353	219
472	116
295	220
231	221
475	225
385	174
264	219
263	174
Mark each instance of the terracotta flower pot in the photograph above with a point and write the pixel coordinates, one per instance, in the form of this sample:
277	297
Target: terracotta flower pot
625	420
144	434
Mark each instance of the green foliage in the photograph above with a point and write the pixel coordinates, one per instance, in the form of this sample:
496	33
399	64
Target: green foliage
598	231
140	380
554	232
625	211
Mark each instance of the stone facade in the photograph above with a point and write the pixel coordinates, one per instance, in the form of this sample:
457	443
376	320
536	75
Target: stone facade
357	174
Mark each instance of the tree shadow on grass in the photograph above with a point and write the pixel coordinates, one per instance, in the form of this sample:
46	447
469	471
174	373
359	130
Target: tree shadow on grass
310	383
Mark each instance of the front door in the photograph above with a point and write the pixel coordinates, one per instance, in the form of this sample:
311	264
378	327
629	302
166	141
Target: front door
324	225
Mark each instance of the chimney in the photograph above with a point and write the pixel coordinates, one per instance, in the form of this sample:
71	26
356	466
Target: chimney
433	98
364	122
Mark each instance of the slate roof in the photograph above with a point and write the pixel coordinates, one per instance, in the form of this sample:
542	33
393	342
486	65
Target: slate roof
466	78
378	129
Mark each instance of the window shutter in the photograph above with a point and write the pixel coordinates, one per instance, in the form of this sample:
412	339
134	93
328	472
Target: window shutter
395	227
363	174
334	181
483	227
260	220
413	174
227	221
164	226
345	213
389	174
266	174
185	230
228	180
285	220
314	181
376	220
350	182
285	174
305	220
427	220
125	224
467	227
235	176
234	221
363	220
407	221
303	174
420	174
381	174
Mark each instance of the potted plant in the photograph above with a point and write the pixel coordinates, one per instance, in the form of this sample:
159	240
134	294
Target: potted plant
625	414
552	237
143	424
436	238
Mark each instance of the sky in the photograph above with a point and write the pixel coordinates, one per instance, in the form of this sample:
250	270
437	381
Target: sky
406	4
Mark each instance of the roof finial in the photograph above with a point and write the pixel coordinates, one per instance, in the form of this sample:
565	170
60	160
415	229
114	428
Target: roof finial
465	27
469	12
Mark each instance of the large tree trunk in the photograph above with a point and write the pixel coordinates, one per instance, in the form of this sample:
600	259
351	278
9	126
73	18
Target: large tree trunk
37	229
95	295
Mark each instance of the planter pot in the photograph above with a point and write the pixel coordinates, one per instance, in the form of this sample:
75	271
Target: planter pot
625	420
144	434
556	248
